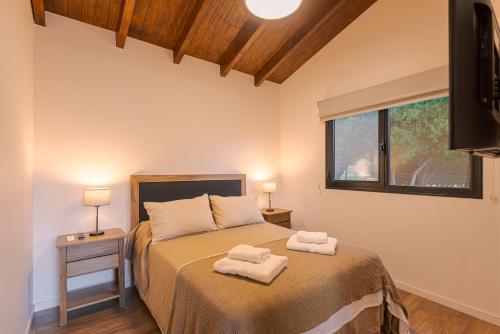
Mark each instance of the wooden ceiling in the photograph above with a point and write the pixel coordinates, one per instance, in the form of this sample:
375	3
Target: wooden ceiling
219	31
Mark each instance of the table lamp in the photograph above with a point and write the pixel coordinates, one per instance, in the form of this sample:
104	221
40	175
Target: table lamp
269	187
96	197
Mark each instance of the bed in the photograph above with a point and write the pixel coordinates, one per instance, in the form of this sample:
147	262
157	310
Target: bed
349	293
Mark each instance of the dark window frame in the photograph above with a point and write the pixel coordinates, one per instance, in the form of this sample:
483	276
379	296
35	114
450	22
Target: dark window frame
476	170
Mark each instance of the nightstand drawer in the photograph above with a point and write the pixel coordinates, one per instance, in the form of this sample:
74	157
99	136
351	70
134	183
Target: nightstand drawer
278	218
284	224
90	250
92	265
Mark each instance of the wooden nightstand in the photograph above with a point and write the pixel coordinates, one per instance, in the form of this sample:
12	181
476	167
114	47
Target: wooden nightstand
279	217
92	254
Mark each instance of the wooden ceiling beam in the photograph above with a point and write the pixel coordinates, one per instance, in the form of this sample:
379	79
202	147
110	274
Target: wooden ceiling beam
323	14
191	27
38	8
247	35
126	14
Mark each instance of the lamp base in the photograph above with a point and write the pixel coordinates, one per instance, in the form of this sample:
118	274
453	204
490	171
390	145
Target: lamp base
96	233
269	210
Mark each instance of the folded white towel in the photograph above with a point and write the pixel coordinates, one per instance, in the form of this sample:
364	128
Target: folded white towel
316	237
263	272
249	253
326	249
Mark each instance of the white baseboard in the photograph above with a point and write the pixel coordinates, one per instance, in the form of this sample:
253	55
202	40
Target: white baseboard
472	311
30	322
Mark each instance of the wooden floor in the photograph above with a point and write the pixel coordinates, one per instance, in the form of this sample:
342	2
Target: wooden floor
426	317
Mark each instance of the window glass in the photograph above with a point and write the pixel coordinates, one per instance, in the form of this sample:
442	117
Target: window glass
419	154
356	147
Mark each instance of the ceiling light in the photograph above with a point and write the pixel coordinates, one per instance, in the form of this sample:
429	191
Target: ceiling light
272	9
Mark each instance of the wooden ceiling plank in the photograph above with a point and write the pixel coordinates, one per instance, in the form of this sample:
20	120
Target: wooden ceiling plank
140	11
88	11
193	23
61	7
75	10
101	13
149	24
38	7
114	14
247	35
49	5
317	19
125	21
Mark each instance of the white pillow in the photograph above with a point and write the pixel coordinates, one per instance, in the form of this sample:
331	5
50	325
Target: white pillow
177	218
235	211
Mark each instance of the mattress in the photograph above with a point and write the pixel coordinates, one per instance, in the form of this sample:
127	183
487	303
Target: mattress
350	292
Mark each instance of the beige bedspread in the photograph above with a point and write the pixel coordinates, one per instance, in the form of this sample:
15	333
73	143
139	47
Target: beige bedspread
185	295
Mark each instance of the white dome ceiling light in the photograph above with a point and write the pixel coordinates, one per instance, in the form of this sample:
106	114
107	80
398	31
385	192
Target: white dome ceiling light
272	9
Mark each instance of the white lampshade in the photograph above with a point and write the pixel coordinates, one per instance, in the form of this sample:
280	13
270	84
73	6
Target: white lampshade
269	187
96	196
272	9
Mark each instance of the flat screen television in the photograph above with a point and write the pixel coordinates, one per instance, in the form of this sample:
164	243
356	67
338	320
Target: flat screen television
474	78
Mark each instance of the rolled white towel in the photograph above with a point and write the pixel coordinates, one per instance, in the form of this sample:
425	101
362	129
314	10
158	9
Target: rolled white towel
249	253
263	272
326	249
315	237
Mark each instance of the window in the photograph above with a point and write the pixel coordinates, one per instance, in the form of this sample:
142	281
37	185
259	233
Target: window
356	148
402	149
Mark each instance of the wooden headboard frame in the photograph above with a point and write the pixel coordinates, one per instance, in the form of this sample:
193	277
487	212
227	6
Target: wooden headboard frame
136	180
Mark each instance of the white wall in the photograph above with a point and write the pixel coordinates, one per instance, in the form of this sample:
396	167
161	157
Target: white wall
103	113
16	147
438	247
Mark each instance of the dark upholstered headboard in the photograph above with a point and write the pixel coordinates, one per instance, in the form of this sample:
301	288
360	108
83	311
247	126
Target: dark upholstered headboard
163	188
